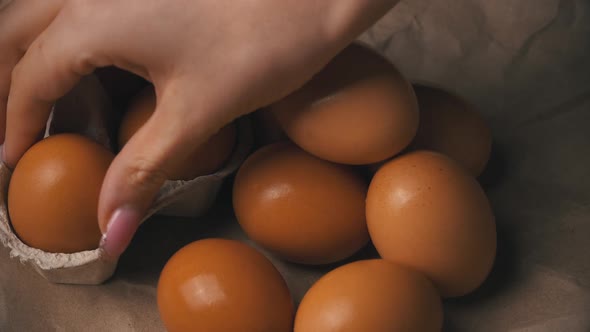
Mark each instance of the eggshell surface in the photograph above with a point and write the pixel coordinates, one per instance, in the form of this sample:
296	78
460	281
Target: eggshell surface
427	212
223	285
53	194
451	125
206	158
358	110
371	295
302	208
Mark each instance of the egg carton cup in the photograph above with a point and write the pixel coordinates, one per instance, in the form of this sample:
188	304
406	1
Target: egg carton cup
176	198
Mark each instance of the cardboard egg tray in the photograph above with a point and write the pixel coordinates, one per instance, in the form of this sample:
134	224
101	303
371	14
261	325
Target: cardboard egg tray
176	198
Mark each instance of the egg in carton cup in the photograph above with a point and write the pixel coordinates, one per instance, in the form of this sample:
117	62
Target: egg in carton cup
176	198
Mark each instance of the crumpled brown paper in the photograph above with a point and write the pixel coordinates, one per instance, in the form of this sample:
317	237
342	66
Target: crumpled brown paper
525	65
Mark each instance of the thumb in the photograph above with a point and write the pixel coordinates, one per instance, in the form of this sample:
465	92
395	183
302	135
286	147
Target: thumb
140	169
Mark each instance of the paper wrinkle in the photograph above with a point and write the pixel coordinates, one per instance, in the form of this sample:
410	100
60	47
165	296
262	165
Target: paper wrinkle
578	103
565	324
470	47
3	308
555	287
539	298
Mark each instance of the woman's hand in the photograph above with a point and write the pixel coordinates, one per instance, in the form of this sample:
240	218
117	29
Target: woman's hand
210	61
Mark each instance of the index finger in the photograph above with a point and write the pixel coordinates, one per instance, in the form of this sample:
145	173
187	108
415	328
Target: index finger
20	23
52	66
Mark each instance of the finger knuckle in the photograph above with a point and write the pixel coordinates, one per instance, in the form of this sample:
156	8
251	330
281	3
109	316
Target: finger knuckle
17	73
81	58
143	173
83	63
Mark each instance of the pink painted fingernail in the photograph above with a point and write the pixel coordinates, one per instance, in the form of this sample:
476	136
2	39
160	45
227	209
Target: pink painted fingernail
120	231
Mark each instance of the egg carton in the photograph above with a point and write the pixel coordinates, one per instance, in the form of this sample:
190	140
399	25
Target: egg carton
176	198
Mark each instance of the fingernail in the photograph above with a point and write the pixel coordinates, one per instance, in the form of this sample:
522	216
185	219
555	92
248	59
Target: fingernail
120	231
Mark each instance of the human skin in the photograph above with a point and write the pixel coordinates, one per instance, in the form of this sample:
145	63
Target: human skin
209	60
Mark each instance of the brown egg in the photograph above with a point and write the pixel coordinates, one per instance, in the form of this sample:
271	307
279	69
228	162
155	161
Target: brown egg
302	208
222	285
371	295
450	125
427	212
358	110
53	194
206	158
